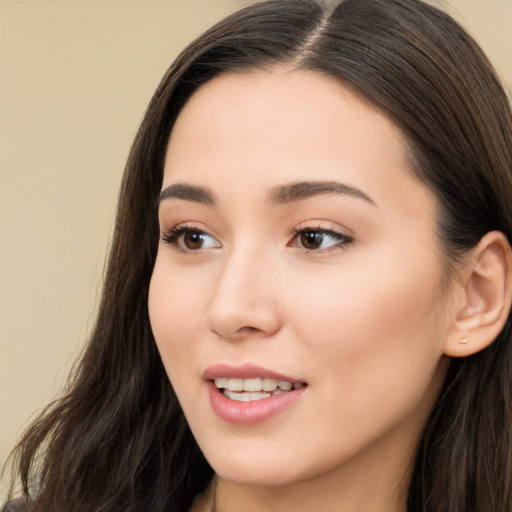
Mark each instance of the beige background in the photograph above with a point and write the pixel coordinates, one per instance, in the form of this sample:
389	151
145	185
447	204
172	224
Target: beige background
75	79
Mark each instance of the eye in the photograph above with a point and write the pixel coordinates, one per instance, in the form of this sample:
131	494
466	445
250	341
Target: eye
319	239
189	239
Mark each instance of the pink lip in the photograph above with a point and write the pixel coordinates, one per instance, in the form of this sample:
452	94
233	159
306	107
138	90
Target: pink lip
256	411
244	371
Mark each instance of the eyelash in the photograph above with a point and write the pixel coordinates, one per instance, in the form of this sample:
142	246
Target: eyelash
343	241
173	235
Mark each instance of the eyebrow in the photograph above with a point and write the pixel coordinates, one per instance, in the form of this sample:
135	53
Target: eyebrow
306	189
187	193
283	194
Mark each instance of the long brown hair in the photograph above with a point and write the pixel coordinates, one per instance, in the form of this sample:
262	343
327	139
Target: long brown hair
118	440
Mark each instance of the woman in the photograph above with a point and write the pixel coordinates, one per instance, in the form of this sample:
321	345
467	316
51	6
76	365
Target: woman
307	304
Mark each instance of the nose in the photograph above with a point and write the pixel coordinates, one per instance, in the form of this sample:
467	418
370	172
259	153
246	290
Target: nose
245	301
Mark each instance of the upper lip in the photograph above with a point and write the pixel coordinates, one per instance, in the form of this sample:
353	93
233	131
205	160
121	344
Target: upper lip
244	371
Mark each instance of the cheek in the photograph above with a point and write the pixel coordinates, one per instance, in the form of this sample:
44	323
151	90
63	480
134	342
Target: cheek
372	330
372	346
174	305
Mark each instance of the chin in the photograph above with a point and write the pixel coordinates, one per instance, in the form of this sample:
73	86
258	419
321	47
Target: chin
252	469
257	476
272	467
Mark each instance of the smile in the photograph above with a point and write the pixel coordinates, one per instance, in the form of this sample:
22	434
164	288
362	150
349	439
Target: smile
248	390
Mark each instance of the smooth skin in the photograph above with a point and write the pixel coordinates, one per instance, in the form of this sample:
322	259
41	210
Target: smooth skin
344	288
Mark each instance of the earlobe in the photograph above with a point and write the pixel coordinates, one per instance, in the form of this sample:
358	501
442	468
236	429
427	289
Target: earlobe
486	287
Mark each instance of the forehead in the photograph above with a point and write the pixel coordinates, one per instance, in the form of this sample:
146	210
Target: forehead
277	100
267	128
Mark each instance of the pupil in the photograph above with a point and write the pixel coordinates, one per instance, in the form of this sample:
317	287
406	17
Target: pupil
311	239
193	240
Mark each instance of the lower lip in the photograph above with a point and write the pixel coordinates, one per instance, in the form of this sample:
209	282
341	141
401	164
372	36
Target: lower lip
255	411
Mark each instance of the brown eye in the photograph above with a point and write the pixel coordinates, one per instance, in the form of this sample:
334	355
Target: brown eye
320	240
186	239
193	240
311	239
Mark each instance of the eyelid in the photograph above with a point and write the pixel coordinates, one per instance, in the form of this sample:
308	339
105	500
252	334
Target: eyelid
172	236
344	240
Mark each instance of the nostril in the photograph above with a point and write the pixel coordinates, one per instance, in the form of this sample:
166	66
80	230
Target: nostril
248	330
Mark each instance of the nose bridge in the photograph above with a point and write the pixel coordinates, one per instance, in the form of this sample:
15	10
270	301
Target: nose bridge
244	300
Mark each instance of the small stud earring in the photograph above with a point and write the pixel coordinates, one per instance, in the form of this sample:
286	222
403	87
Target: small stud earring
464	340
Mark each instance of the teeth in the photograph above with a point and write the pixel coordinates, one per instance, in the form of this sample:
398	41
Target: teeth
245	397
256	385
269	384
285	385
235	384
252	385
221	383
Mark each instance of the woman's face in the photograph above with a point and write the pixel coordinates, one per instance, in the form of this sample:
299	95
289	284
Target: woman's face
298	251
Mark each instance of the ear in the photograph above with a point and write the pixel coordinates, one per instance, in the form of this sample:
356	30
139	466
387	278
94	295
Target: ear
482	298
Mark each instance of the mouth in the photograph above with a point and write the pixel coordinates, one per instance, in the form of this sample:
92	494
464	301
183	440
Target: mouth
249	394
249	390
